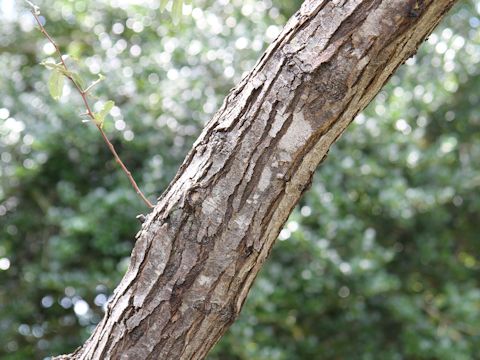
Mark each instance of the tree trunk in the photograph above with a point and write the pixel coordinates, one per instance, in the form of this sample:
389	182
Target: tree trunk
200	249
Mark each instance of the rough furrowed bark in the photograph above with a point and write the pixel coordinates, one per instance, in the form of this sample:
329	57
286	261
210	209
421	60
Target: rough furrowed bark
200	249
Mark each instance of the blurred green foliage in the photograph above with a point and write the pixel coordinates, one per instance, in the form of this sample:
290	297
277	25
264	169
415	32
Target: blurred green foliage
380	260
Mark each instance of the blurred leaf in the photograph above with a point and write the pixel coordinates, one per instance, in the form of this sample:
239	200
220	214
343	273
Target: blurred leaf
55	84
177	11
53	66
100	116
78	79
163	5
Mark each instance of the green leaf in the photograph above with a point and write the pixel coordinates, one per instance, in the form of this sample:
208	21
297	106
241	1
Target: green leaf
57	67
107	107
100	116
177	10
55	84
78	79
163	5
52	66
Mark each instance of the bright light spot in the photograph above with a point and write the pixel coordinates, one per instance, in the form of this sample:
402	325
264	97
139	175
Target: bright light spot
432	39
231	22
402	126
128	135
121	45
153	78
241	43
170	45
118	28
135	50
272	32
365	169
37	331
47	301
137	27
458	42
348	162
100	299
81	307
326	197
306	211
48	48
345	268
450	115
28	139
229	72
120	125
197	13
450	54
24	329
292	226
172	74
209	107
448	145
427	98
380	109
4	113
154	99
451	86
66	302
419	90
413	157
4	264
447	33
8	10
457	200
28	164
365	264
257	45
441	47
398	91
127	71
284	234
216	26
195	47
411	61
359	119
306	274
14	125
70	291
247	10
344	292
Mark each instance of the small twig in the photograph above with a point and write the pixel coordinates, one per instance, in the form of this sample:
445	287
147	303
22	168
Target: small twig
89	112
93	84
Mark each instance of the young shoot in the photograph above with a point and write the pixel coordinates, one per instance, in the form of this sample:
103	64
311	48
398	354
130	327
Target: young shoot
59	72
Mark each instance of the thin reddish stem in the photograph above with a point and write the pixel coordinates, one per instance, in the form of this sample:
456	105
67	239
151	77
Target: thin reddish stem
89	112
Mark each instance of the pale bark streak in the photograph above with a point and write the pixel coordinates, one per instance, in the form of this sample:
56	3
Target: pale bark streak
202	247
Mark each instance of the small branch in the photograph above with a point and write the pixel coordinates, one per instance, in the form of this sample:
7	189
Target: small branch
92	85
89	112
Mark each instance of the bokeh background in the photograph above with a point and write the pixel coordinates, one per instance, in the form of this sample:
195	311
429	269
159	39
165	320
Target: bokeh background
379	261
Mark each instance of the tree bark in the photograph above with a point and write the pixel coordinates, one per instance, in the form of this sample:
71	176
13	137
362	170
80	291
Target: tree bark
201	248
